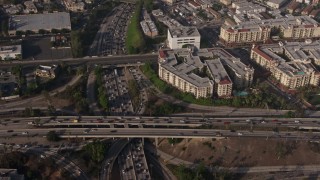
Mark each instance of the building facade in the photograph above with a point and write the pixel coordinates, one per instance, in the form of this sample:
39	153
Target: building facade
11	52
203	72
178	37
291	63
297	27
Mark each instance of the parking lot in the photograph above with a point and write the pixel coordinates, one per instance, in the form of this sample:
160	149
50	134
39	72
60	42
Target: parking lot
110	39
117	91
39	48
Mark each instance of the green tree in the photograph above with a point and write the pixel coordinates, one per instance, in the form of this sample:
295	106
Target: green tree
148	5
183	173
42	31
97	150
4	26
76	44
52	136
55	31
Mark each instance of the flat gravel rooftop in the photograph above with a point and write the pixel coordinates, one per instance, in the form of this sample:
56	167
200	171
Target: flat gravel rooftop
34	22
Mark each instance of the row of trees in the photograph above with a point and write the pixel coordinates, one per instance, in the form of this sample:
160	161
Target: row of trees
200	172
134	93
77	95
101	90
262	99
43	31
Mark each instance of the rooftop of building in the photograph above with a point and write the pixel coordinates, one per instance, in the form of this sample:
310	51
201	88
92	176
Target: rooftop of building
34	22
285	22
184	32
10	49
213	58
298	56
276	1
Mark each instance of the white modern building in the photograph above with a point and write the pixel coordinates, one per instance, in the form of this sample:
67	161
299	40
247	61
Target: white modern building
10	52
178	37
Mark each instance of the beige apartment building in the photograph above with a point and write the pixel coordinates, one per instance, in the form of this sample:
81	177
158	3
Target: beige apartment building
298	27
294	72
234	35
180	68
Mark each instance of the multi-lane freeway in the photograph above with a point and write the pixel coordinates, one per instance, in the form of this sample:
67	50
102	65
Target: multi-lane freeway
156	133
112	60
149	121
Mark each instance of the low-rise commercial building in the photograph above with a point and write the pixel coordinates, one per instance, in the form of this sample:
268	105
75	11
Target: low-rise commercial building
157	12
295	27
276	4
245	7
148	26
290	63
203	72
307	10
35	22
10	174
8	84
30	7
178	37
169	22
314	13
293	6
74	5
225	2
11	52
46	71
170	2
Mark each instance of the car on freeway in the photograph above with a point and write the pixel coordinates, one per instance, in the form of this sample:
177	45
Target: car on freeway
240	134
25	133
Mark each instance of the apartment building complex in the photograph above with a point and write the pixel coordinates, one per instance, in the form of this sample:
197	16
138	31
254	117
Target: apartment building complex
203	72
290	63
297	27
178	37
148	26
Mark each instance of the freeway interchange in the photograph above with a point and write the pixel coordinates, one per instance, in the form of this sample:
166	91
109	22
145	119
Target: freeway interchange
157	127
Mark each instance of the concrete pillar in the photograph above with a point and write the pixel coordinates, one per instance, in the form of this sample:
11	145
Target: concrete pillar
142	141
84	138
128	139
156	141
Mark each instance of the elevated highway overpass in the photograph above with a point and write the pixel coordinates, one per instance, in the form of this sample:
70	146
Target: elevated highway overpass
109	60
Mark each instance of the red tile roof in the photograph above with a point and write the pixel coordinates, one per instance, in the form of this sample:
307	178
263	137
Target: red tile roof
230	30
225	80
194	3
162	54
243	30
309	26
314	13
264	55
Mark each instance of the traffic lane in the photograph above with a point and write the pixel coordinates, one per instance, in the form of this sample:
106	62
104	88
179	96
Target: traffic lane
119	59
154	132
